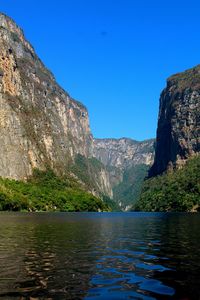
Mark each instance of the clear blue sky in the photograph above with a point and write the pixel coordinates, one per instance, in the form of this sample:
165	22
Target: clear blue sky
113	55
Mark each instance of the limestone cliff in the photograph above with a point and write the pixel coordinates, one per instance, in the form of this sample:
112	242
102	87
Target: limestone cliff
178	131
40	124
123	153
127	162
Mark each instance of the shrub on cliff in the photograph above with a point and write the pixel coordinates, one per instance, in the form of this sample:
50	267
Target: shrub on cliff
174	191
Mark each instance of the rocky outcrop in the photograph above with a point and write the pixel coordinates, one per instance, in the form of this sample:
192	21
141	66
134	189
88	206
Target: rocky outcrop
178	132
40	124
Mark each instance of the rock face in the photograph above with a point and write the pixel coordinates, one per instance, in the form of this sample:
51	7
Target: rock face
178	132
123	153
40	124
125	160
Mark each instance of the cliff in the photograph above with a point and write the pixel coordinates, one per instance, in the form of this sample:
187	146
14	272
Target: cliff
40	124
177	157
178	131
123	153
127	162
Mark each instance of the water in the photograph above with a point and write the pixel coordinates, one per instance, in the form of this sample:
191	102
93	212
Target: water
99	256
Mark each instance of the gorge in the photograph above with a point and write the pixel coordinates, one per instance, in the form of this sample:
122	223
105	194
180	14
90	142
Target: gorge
43	129
88	218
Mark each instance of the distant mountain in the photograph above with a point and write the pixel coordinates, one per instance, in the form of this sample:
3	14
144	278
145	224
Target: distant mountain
127	162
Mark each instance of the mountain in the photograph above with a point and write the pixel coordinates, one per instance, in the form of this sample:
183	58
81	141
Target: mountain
40	124
178	131
174	183
127	162
43	129
123	153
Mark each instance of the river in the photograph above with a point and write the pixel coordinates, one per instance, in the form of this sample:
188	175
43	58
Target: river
99	256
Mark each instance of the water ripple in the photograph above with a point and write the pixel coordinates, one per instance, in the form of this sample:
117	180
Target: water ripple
99	256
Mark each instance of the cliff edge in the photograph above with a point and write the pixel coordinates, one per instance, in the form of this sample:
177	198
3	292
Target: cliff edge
178	131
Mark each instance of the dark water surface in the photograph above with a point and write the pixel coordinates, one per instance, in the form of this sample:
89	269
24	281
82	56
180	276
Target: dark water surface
99	256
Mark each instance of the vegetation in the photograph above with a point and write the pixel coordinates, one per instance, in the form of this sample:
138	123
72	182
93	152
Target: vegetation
45	191
130	188
111	204
189	78
178	190
87	169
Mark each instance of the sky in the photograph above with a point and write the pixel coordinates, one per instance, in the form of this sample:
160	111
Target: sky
114	56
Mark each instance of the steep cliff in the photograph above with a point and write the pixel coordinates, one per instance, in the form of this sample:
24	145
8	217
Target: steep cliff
177	157
127	162
178	132
40	124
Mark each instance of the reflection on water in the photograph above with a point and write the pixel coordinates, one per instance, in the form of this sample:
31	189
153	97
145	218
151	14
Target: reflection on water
99	256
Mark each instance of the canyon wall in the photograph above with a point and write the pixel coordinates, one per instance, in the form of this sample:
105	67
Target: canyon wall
40	124
178	131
